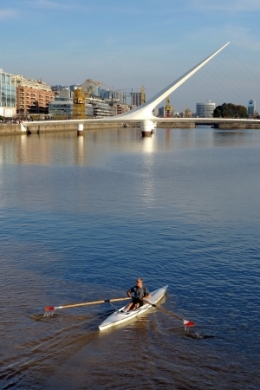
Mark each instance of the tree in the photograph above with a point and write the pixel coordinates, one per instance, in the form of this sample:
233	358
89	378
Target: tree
230	110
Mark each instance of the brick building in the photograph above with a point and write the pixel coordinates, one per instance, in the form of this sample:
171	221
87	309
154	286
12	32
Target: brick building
32	96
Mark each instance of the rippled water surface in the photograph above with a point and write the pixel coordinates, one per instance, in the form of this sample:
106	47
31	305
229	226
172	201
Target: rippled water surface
82	217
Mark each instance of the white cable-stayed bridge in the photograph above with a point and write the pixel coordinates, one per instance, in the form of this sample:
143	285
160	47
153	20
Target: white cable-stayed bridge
144	113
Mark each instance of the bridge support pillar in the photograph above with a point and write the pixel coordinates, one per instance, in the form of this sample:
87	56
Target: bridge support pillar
23	128
147	128
80	129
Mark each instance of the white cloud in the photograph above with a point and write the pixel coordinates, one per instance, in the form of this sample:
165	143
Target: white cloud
48	4
228	6
7	14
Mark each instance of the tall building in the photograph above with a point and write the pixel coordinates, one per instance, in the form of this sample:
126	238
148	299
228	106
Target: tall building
32	96
7	95
161	112
115	96
136	98
205	110
251	108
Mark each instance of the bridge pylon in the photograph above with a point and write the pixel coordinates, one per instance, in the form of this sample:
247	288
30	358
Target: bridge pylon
144	113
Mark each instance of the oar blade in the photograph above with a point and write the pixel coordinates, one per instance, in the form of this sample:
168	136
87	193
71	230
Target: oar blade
189	324
49	308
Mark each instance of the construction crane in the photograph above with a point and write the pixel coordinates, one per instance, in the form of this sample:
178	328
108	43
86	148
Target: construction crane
81	94
168	108
143	96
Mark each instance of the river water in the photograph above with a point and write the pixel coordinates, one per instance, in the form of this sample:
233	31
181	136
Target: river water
82	217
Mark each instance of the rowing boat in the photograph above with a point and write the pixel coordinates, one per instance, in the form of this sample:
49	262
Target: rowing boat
120	316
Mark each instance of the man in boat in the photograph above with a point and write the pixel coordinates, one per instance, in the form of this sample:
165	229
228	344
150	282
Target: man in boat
139	292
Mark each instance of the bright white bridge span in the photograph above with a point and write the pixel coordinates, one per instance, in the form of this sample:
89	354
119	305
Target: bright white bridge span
144	113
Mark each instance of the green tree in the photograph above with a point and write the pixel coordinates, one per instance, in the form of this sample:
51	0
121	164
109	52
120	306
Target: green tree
230	110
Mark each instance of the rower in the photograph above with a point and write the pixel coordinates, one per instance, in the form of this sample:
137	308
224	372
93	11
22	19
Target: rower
139	292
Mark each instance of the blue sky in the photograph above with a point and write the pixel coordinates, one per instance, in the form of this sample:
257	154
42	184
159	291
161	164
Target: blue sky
140	42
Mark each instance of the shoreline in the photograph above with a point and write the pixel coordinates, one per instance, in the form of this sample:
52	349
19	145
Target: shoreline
15	129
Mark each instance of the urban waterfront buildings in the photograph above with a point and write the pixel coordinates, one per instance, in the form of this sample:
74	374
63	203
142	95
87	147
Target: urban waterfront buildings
7	95
32	96
24	97
205	110
161	112
62	105
96	106
136	98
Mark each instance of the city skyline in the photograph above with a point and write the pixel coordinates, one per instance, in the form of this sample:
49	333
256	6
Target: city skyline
130	45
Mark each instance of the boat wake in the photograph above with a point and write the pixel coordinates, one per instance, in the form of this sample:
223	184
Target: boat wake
195	335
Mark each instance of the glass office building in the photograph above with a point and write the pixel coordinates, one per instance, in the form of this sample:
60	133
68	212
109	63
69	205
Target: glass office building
7	95
251	108
205	110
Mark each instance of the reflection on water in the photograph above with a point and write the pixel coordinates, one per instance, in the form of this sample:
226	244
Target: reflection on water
148	144
82	217
149	159
43	149
235	138
80	151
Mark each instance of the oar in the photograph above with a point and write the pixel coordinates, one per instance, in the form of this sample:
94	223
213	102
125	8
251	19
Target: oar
52	308
185	322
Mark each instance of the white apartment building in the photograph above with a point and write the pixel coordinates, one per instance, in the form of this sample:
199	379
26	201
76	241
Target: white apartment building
205	110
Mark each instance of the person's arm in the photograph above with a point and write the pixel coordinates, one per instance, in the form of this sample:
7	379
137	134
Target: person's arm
129	292
147	295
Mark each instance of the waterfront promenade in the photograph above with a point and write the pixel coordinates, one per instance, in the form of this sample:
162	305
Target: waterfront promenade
117	122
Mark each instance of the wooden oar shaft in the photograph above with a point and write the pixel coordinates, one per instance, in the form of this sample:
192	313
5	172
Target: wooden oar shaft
93	302
165	311
68	306
169	312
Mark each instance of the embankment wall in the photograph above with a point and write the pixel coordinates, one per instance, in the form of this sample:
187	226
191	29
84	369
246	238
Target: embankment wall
46	127
236	126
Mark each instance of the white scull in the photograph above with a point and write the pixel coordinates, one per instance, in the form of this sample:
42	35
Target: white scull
119	316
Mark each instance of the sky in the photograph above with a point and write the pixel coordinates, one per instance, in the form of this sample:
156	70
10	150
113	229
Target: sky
127	45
